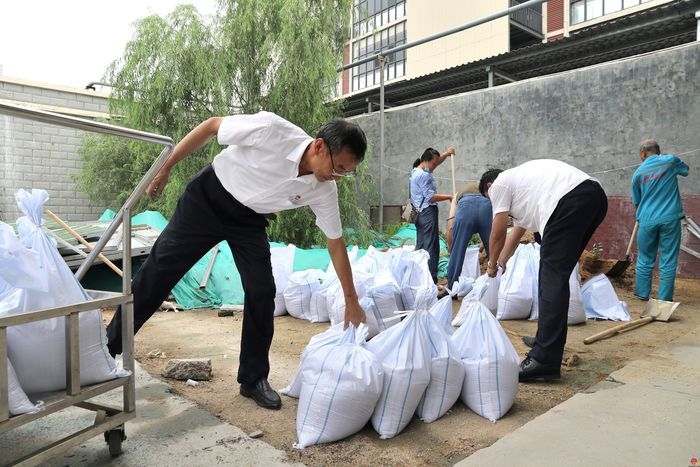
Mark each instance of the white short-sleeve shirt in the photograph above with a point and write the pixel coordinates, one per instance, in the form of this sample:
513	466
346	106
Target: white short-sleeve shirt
531	191
260	169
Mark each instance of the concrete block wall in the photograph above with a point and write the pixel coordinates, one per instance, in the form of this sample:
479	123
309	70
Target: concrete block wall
39	155
593	118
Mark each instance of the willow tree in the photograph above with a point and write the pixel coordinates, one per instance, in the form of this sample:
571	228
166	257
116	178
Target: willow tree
275	55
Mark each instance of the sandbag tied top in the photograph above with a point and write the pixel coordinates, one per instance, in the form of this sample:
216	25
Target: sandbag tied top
442	312
472	300
446	371
340	388
404	352
416	277
490	363
19	266
37	350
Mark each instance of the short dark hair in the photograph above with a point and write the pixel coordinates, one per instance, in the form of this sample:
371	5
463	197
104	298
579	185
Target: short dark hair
488	177
339	134
429	154
650	145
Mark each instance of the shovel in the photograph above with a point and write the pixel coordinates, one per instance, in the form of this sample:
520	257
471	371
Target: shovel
621	266
655	310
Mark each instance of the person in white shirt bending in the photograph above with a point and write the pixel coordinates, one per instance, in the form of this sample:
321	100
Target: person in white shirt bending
269	165
565	206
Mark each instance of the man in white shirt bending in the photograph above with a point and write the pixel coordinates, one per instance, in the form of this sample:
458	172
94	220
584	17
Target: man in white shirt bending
269	165
565	206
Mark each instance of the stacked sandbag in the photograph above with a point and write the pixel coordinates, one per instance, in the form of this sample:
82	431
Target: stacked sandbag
404	352
600	300
336	304
282	259
376	322
300	288
442	312
470	267
516	288
330	336
322	299
37	350
385	293
446	371
416	276
340	388
490	363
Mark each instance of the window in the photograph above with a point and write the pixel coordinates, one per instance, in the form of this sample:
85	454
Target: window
584	10
367	74
368	15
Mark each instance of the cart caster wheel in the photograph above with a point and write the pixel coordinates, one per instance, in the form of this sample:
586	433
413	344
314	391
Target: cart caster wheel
114	440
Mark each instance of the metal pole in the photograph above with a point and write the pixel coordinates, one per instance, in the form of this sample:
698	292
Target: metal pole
382	66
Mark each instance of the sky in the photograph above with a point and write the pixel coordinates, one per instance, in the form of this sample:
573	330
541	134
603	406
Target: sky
71	42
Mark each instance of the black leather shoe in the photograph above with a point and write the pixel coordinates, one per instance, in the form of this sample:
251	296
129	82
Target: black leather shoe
644	299
528	340
531	370
262	394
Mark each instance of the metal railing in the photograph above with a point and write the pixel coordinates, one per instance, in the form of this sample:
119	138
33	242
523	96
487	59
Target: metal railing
108	418
528	17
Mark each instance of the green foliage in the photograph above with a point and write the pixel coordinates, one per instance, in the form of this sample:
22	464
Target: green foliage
276	55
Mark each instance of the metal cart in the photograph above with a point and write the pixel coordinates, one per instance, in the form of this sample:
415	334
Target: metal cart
108	420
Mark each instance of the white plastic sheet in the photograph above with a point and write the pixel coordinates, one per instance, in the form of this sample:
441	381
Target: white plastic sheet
446	372
600	300
340	388
282	259
404	353
37	350
490	362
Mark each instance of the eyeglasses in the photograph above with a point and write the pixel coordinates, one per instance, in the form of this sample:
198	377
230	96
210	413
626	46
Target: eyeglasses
335	173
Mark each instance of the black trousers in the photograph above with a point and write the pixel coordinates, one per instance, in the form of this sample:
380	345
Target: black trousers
568	230
205	215
428	237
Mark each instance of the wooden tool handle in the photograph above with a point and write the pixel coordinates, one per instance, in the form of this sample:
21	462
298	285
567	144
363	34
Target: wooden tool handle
629	245
78	237
454	181
619	328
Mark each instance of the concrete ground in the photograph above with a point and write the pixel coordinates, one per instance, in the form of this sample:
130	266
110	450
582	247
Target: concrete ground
646	413
167	431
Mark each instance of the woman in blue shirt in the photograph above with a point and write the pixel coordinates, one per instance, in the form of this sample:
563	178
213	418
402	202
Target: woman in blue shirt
424	197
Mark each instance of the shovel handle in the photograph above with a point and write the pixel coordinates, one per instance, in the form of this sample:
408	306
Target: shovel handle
619	328
454	181
78	237
629	245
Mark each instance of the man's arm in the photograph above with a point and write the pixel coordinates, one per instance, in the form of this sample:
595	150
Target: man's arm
195	140
511	244
497	241
339	255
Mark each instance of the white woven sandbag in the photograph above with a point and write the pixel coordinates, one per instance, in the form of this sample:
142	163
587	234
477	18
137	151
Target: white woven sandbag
385	293
461	287
515	289
374	319
37	350
336	308
322	299
490	363
297	294
535	271
282	259
471	300
446	372
328	337
600	300
399	258
470	267
19	266
19	403
442	312
339	390
490	294
404	352
576	313
416	276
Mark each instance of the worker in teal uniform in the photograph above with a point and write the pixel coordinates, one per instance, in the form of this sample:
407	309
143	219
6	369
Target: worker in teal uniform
657	198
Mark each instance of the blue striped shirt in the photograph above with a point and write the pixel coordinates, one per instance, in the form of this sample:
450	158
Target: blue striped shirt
655	189
423	188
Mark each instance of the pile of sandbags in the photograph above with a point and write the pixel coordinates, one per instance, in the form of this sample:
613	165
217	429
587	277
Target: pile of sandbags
41	279
300	288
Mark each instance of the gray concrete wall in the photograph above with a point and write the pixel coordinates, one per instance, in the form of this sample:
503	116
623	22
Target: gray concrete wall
38	155
592	118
